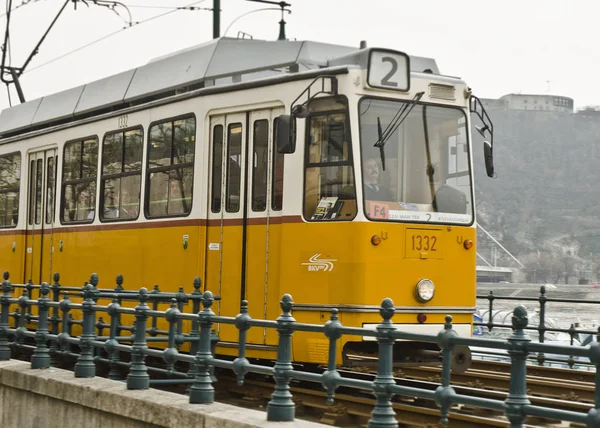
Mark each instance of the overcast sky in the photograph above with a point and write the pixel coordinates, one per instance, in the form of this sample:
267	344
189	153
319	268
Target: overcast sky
498	47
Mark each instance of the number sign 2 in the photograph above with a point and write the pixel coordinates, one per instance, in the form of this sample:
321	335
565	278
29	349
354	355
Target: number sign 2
388	70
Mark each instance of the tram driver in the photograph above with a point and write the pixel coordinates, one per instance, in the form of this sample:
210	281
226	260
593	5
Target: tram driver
374	190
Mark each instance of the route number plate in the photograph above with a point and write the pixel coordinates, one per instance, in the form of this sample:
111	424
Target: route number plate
389	70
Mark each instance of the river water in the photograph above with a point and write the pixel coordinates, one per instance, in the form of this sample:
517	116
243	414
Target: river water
586	312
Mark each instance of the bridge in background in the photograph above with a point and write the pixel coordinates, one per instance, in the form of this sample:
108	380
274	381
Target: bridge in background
490	271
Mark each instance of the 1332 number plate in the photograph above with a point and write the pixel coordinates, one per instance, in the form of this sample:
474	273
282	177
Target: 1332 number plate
423	244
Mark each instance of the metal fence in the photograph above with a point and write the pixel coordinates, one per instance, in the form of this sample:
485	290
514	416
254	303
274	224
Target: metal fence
281	407
542	328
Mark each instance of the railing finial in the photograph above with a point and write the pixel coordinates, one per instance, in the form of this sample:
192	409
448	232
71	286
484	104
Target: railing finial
94	279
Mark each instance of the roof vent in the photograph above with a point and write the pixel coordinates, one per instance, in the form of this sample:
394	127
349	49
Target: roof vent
442	92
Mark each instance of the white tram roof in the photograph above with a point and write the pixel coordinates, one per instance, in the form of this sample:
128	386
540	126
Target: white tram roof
218	62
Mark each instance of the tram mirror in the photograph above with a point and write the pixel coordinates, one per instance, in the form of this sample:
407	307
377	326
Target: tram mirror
286	134
489	158
300	111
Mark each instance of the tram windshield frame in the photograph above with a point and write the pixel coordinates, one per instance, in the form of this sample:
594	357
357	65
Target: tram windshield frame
416	167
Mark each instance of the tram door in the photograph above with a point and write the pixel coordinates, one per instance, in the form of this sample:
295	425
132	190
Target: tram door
41	204
243	228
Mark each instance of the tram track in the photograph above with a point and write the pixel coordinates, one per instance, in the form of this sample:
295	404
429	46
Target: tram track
548	382
482	379
535	370
353	408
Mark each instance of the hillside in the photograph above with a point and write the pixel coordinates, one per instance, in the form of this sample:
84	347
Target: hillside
546	196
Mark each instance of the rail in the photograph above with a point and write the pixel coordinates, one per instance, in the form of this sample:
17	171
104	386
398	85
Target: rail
517	407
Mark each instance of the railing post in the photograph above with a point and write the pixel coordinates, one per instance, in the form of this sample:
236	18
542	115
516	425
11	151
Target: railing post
21	330
118	289
542	328
445	393
181	299
85	366
572	333
5	353
110	345
27	309
54	319
153	330
593	417
383	414
65	307
517	396
331	376
202	391
170	354
491	298
241	363
195	332
41	355
138	374
281	408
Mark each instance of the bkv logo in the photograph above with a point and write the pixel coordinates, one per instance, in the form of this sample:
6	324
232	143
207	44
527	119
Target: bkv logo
316	264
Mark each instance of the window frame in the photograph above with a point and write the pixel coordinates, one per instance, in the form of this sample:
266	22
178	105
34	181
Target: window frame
51	209
349	162
172	166
212	168
469	151
38	194
273	166
64	182
18	189
121	174
268	165
242	166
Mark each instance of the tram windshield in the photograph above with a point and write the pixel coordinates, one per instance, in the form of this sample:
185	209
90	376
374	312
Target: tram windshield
415	162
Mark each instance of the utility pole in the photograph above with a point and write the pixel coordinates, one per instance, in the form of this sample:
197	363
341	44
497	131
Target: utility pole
216	19
283	6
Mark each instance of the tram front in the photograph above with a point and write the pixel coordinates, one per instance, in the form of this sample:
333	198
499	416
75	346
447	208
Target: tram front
394	159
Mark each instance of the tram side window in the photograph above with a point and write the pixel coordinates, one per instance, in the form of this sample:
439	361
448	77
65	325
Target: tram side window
80	168
329	176
217	168
277	180
50	188
10	180
39	167
171	167
234	168
121	175
260	165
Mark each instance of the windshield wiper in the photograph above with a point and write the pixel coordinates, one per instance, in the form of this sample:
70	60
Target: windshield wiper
399	117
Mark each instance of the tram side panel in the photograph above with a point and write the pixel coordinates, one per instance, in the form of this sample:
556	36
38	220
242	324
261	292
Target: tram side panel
12	244
13	202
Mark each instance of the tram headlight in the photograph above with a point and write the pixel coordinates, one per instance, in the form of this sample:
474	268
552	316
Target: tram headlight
425	290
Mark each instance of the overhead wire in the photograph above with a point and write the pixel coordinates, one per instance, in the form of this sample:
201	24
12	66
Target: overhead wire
141	6
87	45
248	13
23	3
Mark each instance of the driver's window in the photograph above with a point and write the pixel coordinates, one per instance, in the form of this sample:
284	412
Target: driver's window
329	176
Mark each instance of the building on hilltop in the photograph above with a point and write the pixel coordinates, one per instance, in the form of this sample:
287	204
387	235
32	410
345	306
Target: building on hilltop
555	103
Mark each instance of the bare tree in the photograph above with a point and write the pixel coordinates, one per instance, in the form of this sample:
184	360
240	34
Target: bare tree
568	263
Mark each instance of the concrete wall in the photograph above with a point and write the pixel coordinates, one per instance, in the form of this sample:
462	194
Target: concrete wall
54	398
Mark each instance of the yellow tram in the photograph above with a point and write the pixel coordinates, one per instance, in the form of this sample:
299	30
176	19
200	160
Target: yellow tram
339	175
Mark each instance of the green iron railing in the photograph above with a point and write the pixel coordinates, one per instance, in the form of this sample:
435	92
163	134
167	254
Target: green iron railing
542	328
202	359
